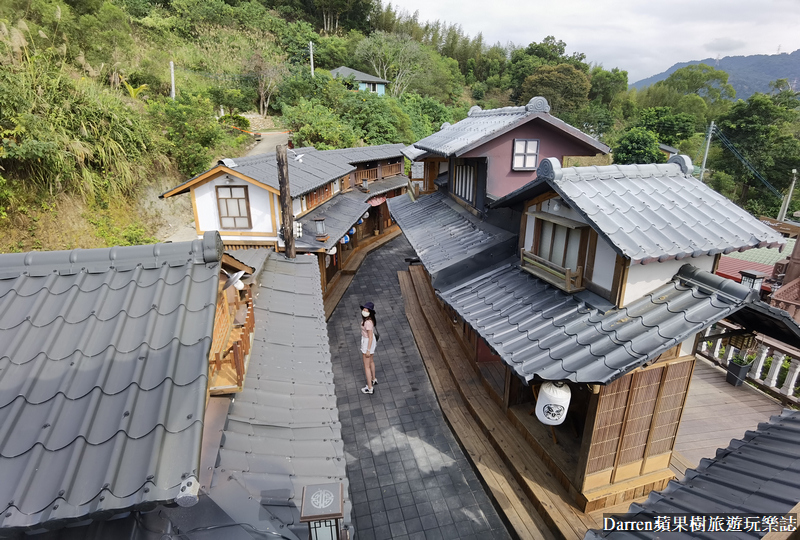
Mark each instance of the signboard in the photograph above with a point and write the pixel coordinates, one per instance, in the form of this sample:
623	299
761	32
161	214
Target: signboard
322	501
789	229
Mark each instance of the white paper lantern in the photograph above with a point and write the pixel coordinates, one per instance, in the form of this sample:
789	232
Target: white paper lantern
552	403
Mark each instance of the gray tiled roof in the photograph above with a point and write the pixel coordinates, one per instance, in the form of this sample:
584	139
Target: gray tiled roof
252	257
651	212
363	154
482	126
359	76
283	429
542	332
316	167
759	474
341	213
417	170
443	233
103	377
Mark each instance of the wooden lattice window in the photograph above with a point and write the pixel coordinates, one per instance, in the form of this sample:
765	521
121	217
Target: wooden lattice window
670	406
608	425
642	403
234	207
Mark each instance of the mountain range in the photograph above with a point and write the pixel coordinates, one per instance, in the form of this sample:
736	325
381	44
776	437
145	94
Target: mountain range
747	74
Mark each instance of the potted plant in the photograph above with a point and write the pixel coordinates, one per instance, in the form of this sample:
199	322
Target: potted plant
738	367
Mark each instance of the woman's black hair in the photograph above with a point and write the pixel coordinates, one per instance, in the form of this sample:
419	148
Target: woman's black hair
371	316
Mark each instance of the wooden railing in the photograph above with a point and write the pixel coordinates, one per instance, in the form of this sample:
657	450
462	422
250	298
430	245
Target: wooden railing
776	366
392	170
564	278
231	343
369	174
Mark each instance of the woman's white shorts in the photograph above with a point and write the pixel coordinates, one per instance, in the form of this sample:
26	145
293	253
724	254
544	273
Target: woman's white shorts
365	342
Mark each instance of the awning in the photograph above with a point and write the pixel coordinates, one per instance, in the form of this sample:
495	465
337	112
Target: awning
377	201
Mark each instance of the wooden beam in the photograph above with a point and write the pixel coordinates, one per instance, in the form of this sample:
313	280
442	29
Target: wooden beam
622	429
656	411
541	198
287	218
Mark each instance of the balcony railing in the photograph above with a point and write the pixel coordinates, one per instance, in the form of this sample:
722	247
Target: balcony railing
566	279
786	298
369	174
776	366
392	170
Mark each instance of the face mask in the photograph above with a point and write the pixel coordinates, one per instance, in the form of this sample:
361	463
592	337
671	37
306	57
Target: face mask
365	313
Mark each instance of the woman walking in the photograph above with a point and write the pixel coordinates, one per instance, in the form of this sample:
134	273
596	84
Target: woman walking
369	340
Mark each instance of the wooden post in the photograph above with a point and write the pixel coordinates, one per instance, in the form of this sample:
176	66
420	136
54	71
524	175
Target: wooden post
287	219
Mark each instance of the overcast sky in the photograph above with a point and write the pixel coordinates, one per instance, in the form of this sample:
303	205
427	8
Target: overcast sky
642	37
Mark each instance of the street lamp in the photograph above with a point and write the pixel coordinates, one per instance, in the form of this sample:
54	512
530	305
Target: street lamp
752	279
322	508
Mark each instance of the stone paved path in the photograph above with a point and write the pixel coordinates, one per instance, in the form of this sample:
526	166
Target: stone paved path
409	478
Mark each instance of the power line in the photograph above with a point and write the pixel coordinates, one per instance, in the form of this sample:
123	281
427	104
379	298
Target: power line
730	146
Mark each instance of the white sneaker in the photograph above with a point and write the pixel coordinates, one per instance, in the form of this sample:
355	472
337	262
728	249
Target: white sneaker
374	382
366	390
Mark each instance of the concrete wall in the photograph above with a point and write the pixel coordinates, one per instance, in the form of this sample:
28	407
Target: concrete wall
261	206
552	143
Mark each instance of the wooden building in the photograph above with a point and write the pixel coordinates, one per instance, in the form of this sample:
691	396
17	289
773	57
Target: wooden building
341	192
600	278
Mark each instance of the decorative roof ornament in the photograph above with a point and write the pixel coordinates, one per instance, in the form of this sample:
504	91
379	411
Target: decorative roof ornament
537	104
445	125
684	162
549	169
474	110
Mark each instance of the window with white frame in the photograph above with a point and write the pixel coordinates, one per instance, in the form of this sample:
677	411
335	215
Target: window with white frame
234	207
464	182
526	154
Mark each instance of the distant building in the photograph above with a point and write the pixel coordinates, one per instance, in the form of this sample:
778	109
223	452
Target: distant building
365	81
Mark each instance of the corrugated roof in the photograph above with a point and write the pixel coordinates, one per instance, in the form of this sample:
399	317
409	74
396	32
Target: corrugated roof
283	429
481	126
341	212
651	212
540	331
315	168
359	76
758	474
442	232
103	378
768	256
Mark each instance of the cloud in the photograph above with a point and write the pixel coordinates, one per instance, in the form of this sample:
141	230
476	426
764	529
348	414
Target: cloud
724	45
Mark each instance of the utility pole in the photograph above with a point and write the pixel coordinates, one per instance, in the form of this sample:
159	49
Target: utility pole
311	53
788	198
172	79
287	218
705	156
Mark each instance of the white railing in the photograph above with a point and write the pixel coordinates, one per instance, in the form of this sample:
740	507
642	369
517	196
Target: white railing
779	379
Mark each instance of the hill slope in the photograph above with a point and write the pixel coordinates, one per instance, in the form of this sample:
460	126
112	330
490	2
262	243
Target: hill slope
747	74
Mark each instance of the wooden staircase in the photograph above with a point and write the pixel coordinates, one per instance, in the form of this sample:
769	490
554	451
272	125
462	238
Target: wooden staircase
534	501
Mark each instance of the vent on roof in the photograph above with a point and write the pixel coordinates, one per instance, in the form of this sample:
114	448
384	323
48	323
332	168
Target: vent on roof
228	162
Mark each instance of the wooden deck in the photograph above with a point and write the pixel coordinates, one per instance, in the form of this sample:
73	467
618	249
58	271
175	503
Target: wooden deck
536	504
338	286
717	412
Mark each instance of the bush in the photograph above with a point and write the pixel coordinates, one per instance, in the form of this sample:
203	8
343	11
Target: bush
315	125
191	130
235	120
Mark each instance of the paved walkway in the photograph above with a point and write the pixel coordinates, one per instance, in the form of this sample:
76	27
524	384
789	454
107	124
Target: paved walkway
409	478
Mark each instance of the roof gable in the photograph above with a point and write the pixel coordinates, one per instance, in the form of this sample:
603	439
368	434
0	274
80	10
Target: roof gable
103	378
651	212
482	126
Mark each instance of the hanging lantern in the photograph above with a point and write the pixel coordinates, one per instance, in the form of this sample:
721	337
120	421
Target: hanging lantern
552	403
360	221
344	239
332	251
365	185
352	231
365	216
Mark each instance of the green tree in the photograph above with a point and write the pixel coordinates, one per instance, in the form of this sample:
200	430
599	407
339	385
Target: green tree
565	87
762	132
191	130
669	128
393	57
315	125
607	84
638	145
